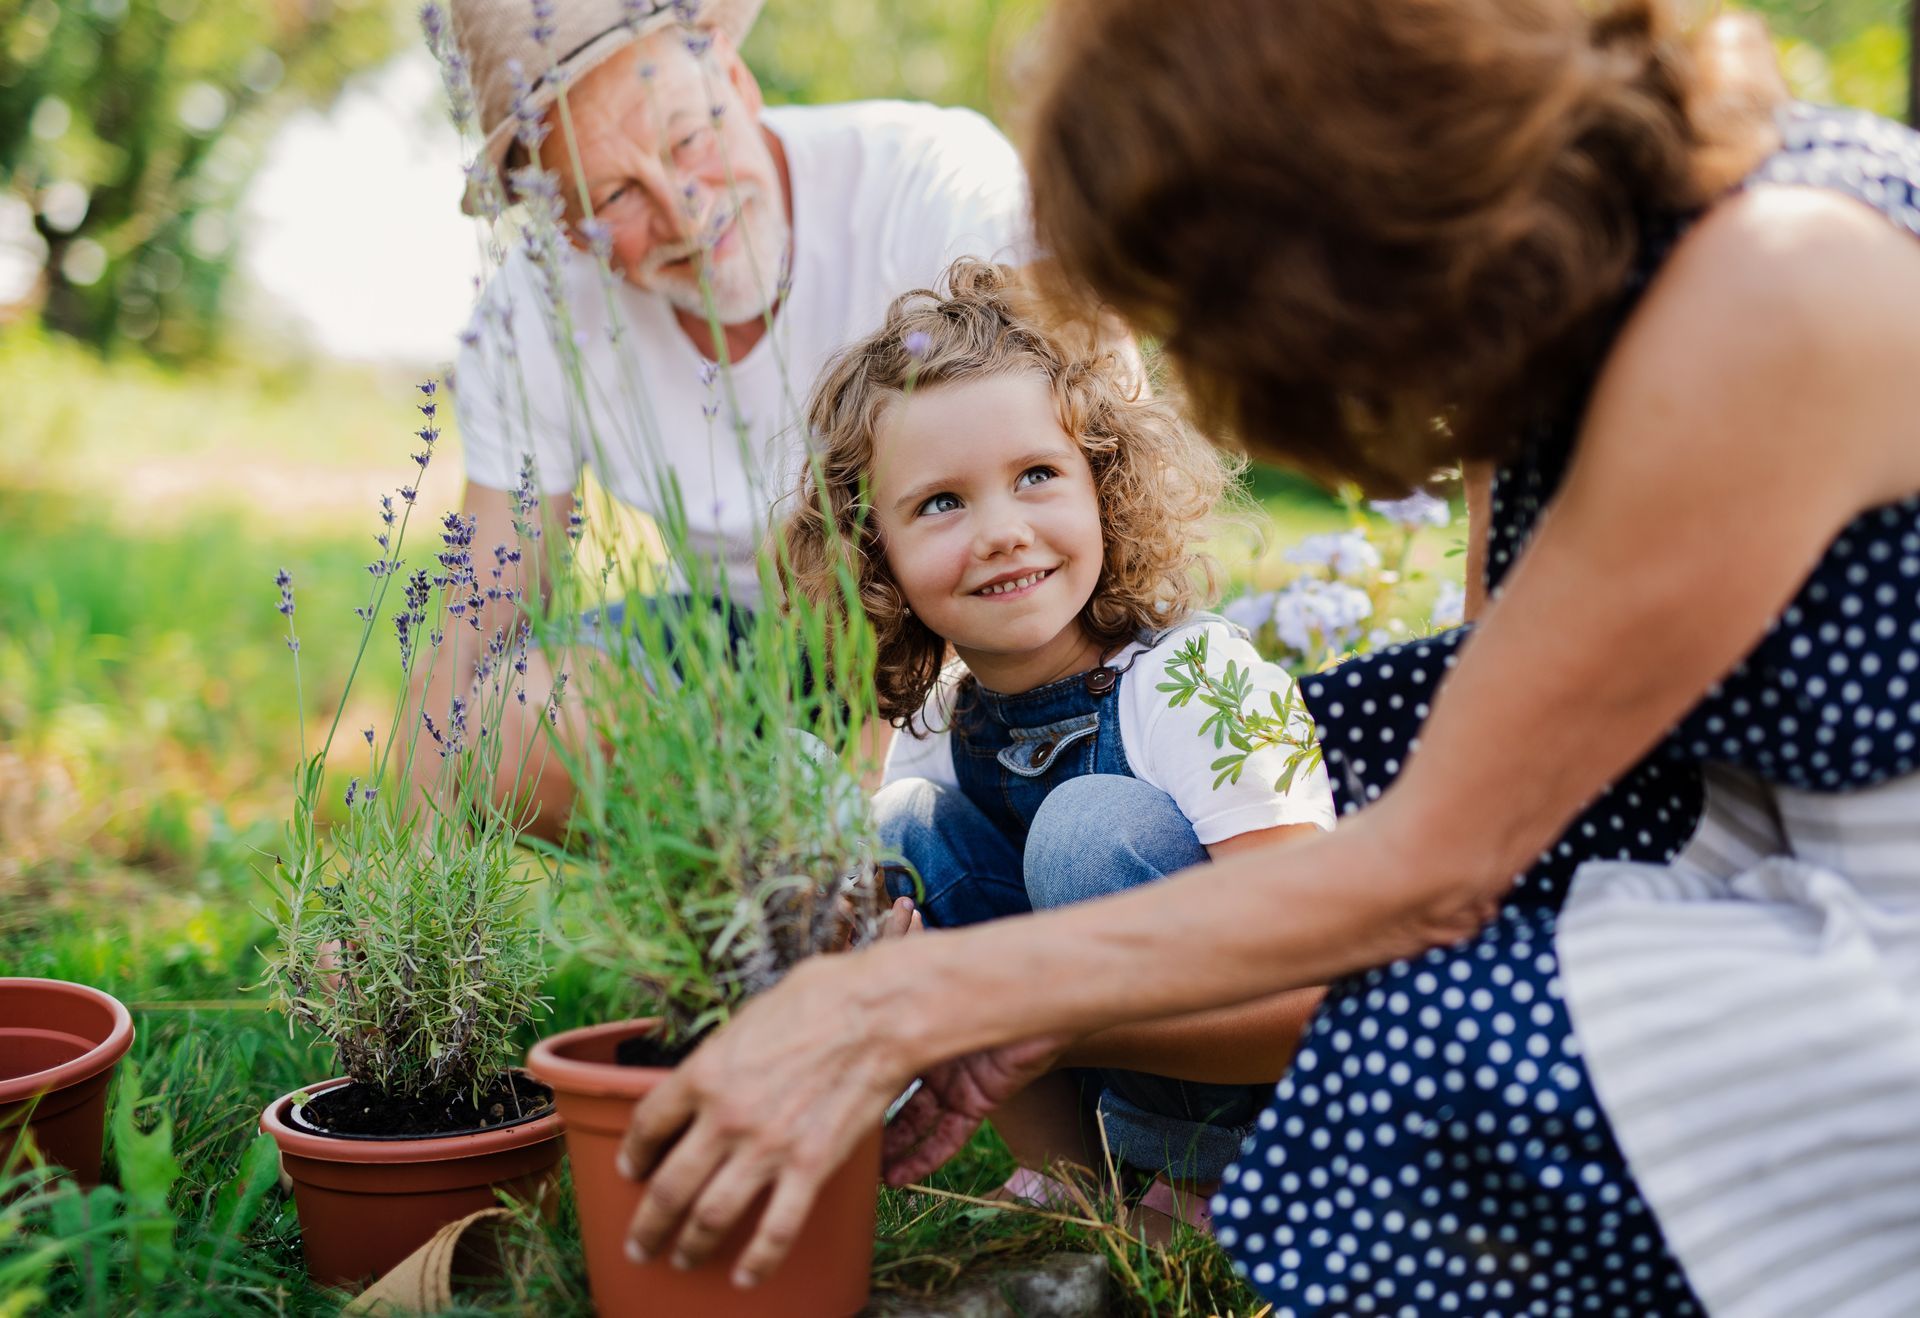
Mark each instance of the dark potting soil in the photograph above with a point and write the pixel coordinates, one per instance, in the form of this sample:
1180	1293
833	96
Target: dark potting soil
651	1050
357	1109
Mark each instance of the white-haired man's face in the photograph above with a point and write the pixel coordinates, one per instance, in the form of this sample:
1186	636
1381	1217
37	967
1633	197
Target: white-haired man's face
677	168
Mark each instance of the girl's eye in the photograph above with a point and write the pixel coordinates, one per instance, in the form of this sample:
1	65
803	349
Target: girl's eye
1035	475
697	137
939	503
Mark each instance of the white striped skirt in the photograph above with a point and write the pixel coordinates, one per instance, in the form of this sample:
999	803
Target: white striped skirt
1750	1016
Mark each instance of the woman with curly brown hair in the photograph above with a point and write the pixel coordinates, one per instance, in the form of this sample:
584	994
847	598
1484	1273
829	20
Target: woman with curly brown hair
996	490
1622	931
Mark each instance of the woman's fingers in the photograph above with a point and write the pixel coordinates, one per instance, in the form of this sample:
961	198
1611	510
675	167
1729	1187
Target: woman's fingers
719	1208
657	1121
793	1196
673	1189
909	1125
949	1134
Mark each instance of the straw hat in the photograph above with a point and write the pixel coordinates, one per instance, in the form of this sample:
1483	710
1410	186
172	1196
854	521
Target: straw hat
494	34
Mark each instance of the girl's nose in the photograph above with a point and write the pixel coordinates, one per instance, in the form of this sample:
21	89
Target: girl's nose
1003	533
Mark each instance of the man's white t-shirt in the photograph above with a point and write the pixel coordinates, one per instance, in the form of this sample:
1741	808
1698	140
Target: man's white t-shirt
1164	746
886	195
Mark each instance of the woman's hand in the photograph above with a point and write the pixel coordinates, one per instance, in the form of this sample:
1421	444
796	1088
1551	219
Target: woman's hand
776	1100
954	1097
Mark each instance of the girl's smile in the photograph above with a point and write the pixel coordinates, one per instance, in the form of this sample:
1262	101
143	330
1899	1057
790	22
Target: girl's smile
991	523
1008	584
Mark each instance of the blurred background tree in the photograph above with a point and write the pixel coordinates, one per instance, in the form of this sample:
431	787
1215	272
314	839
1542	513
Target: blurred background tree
129	129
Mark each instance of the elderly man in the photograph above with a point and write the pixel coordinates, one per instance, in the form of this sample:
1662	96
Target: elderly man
762	239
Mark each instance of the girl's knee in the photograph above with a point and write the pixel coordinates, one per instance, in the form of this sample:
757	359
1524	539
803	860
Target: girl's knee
1101	834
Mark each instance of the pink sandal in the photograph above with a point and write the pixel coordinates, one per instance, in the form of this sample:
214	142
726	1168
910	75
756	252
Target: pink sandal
1038	1190
1187	1206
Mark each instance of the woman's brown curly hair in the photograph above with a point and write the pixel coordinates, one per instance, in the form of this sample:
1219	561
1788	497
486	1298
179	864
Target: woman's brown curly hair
1376	237
1162	488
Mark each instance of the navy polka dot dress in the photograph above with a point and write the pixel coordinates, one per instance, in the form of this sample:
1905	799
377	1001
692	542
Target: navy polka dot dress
1438	1146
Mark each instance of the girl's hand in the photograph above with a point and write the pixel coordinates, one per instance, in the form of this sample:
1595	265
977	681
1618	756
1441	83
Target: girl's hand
775	1100
953	1099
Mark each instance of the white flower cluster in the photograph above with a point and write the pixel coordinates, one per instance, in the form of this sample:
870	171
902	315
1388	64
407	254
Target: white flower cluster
1345	553
1416	510
1449	606
1310	616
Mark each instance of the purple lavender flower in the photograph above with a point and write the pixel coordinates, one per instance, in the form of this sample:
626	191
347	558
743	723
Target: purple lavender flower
366	797
543	26
918	344
428	387
530	120
598	237
284	580
368	734
527	498
709	372
353	788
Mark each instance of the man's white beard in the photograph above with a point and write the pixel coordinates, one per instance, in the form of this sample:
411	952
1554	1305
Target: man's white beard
745	283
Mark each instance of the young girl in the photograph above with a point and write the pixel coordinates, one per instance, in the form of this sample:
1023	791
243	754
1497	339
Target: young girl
1027	505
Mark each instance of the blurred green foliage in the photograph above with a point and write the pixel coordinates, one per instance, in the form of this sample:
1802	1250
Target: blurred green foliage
1844	52
960	52
128	130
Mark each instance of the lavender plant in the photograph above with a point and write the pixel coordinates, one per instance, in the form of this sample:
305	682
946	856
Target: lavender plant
403	935
726	838
719	834
1345	601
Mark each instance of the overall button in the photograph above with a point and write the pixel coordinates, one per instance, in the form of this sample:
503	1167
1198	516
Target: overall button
1043	750
1100	681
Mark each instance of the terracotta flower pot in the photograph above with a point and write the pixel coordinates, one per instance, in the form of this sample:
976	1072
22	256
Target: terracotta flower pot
59	1044
367	1203
826	1275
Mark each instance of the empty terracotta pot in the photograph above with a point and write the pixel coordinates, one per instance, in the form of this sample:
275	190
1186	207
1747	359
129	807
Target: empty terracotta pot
367	1203
59	1044
825	1276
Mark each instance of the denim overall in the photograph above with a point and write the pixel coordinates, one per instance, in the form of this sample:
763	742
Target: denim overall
983	857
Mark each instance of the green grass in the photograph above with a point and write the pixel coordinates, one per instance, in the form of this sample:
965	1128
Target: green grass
147	742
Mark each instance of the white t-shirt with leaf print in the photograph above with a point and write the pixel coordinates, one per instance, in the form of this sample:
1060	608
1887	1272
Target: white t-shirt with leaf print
1164	746
886	195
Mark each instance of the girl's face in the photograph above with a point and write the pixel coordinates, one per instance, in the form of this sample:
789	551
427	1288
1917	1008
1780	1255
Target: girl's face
991	524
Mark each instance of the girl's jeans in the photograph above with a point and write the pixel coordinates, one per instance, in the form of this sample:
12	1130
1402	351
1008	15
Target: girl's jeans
1093	835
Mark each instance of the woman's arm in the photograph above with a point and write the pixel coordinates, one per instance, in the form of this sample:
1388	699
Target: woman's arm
1762	397
1251	1043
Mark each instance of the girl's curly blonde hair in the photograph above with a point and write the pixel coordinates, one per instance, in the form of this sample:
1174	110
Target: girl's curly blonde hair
1162	487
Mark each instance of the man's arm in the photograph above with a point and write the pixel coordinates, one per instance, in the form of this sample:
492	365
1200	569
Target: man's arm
530	772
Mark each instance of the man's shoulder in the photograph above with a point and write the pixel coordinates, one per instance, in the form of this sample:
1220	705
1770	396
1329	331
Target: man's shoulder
910	129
